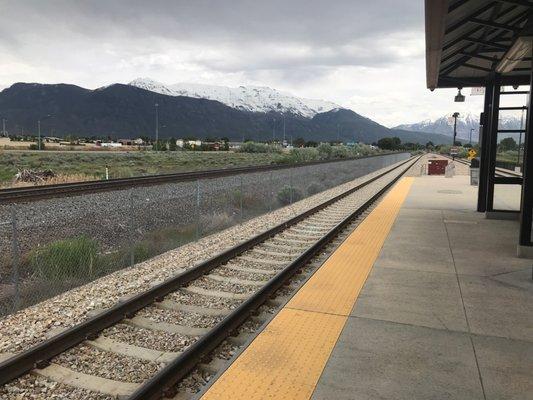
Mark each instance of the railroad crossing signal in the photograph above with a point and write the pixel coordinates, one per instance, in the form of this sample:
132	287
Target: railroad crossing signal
471	154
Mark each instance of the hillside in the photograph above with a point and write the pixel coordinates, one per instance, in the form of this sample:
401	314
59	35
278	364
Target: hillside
244	98
126	111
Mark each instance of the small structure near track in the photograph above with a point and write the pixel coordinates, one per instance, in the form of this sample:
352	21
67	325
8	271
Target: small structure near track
437	167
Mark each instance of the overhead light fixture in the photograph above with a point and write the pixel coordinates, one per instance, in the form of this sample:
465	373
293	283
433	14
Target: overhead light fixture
460	98
520	49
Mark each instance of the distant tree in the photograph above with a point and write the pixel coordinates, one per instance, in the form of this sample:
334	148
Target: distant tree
311	143
457	143
35	146
429	145
396	142
172	144
467	145
160	145
298	142
225	143
389	143
508	144
385	143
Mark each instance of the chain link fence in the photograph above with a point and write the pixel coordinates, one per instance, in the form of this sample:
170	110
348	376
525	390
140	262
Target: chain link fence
50	246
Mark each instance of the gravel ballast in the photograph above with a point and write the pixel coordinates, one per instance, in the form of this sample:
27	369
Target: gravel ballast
29	326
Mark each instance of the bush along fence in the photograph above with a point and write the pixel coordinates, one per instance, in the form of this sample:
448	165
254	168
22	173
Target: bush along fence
52	245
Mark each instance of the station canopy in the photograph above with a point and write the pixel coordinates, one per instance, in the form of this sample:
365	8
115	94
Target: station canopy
467	41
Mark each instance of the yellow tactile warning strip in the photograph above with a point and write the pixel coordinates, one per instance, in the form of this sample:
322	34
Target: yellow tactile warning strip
286	359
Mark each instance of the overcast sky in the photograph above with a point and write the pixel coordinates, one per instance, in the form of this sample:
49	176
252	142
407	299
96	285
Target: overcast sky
363	55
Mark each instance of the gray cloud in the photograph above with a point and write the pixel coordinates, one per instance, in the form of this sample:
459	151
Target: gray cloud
310	47
324	29
310	21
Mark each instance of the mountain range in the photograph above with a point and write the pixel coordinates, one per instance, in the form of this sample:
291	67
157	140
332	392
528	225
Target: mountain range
244	98
184	110
465	123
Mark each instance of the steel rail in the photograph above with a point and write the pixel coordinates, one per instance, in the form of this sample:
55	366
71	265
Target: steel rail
163	383
40	354
499	170
25	194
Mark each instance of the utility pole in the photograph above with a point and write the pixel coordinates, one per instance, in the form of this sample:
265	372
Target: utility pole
470	140
39	130
273	130
156	126
283	129
4	127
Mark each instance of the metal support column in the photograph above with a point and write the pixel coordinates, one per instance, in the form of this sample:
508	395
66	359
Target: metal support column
493	143
526	206
484	135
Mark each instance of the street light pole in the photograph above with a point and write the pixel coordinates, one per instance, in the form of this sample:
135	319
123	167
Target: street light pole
520	138
156	126
455	115
470	140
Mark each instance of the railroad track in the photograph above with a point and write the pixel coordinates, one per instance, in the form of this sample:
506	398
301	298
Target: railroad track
34	193
155	343
499	171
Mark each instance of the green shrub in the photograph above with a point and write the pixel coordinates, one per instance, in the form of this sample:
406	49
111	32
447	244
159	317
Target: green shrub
235	198
69	258
324	151
314	188
339	152
35	146
364	150
284	195
143	251
304	154
253	147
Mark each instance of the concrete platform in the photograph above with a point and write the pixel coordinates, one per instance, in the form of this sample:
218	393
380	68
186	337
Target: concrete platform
425	299
446	312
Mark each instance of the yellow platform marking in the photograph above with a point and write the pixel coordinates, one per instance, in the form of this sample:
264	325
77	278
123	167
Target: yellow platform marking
286	359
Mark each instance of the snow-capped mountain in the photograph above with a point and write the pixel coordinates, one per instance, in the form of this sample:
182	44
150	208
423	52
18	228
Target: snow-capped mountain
465	122
245	98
